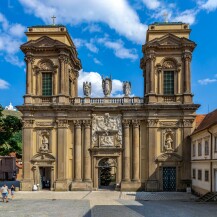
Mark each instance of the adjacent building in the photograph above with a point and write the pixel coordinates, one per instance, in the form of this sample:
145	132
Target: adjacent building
72	142
204	154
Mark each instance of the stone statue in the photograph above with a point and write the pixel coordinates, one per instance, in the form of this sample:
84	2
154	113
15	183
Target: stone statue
44	144
107	86
168	143
126	88
87	88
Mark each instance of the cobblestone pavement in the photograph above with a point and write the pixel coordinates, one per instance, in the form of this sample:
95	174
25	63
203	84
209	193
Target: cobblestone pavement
106	204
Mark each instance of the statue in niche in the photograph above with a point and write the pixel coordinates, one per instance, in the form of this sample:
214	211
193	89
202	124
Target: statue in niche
107	86
127	88
44	143
168	143
87	88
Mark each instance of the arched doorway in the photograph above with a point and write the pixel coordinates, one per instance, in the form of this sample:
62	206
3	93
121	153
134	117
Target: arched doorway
107	173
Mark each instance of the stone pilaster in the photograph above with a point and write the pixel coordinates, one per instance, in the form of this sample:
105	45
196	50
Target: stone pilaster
126	153
136	153
187	75
62	75
87	158
61	183
152	74
28	176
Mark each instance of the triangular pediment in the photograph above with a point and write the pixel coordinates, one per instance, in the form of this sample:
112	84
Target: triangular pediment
43	41
170	40
43	157
171	157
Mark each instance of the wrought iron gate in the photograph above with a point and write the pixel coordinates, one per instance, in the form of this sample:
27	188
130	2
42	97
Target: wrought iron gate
169	178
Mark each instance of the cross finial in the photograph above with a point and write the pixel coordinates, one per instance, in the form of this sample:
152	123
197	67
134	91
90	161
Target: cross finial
165	17
53	17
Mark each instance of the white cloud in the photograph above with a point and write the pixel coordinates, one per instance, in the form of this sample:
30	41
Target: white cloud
96	84
152	4
119	49
117	14
207	81
209	5
92	28
10	40
187	16
4	84
84	43
17	30
95	60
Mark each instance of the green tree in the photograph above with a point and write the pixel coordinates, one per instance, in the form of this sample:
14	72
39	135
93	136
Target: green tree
10	134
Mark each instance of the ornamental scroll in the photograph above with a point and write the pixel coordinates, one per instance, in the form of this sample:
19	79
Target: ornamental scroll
106	130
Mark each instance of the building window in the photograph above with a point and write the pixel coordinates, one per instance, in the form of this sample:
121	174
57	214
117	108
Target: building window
206	148
199	174
206	175
193	173
194	150
46	84
215	148
169	82
199	149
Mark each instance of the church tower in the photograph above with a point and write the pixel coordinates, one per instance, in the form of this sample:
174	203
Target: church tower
166	63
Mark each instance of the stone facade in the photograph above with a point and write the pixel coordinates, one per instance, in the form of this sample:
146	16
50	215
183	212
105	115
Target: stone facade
67	138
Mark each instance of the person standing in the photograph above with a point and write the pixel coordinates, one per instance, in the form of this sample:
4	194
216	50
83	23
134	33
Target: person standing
12	191
4	191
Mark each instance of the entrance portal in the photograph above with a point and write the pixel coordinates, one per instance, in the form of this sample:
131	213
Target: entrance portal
169	178
45	177
107	174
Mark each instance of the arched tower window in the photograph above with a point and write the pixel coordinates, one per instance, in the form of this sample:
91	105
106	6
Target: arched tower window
47	87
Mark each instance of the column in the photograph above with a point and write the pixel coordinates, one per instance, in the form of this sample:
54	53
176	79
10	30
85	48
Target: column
87	158
62	74
126	153
77	151
29	60
135	148
187	80
147	76
152	75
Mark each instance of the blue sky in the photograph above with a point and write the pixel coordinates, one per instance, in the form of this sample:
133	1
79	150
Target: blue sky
109	35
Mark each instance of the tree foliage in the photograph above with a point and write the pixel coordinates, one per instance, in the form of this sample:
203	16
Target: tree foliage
10	134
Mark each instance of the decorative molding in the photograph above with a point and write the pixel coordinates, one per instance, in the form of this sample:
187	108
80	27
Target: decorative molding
43	124
171	157
169	123
168	64
126	122
188	122
135	123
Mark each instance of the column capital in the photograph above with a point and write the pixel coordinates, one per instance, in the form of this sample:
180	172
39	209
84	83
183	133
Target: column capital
87	123
126	122
28	123
135	123
29	59
187	56
77	123
62	123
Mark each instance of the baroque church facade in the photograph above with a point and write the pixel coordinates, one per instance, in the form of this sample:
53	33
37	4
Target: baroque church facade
129	143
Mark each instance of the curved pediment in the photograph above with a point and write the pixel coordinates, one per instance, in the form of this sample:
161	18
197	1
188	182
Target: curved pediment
172	157
45	157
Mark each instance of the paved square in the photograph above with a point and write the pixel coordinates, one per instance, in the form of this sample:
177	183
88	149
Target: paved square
106	204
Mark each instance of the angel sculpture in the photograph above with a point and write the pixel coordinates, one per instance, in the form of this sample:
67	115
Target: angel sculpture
127	88
87	88
107	86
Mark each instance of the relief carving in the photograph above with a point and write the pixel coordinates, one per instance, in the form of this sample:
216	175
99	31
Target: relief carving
168	123
42	124
28	123
169	65
106	130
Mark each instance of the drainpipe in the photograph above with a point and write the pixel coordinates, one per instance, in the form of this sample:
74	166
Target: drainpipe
211	158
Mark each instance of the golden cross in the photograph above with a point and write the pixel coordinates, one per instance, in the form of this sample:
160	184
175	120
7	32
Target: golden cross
53	17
